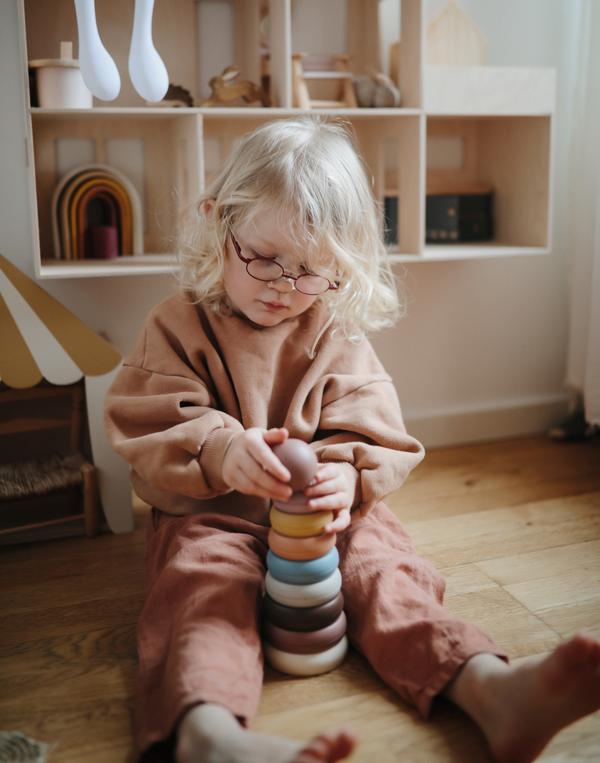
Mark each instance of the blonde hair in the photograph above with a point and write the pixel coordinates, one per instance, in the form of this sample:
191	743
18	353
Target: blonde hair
308	173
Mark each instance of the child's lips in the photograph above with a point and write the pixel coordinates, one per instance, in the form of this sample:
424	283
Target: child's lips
274	305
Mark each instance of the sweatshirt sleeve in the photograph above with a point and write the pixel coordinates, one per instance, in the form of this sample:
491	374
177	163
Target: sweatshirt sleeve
361	426
166	424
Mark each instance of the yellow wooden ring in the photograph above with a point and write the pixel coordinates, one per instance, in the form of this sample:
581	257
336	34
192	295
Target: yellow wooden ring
300	525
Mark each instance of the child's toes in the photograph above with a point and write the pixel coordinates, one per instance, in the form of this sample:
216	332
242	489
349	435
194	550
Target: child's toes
578	650
328	747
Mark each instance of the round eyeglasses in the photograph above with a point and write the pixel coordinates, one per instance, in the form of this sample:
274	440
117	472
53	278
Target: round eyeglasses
265	269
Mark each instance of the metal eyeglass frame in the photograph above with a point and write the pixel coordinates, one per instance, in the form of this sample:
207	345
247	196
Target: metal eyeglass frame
283	274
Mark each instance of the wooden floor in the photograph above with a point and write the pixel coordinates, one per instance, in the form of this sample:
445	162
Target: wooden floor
514	526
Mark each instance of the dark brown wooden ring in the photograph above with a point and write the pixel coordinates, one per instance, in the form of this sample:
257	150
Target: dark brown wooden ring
305	642
303	618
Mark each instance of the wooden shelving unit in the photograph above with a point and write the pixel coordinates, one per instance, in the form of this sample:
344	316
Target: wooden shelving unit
502	120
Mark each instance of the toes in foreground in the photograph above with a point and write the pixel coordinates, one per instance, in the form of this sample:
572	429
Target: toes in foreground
328	747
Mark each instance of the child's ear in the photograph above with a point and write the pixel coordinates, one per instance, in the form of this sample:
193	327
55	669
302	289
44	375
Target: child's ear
208	207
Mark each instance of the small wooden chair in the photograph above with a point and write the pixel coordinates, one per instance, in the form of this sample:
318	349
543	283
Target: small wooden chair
322	69
45	476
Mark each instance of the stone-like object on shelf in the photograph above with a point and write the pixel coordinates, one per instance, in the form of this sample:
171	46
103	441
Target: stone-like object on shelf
376	90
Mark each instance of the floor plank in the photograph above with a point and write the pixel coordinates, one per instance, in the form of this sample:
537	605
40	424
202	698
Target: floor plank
514	527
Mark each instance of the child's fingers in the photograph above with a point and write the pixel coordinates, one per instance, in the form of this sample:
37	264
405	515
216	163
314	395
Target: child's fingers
332	501
333	485
258	475
267	458
327	471
253	481
275	435
339	523
264	456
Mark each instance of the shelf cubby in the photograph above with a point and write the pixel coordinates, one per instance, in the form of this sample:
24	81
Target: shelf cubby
159	152
357	29
391	147
509	155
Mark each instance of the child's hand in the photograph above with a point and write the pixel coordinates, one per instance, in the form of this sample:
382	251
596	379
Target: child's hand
333	490
251	467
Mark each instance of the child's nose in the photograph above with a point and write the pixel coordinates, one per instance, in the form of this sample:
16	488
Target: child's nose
283	284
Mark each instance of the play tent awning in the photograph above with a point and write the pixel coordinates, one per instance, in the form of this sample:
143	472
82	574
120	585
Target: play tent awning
41	339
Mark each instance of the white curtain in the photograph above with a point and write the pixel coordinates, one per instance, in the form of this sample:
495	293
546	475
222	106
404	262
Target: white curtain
583	360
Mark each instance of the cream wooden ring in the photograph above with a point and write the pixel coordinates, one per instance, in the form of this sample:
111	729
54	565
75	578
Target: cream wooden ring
299	525
306	664
311	595
300	549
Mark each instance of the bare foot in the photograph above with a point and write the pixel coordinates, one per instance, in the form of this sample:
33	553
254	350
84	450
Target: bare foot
211	734
520	708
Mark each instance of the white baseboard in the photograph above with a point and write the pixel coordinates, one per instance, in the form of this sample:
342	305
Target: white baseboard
495	420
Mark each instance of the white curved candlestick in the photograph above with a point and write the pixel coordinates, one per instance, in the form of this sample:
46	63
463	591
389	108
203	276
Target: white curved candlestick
98	70
146	68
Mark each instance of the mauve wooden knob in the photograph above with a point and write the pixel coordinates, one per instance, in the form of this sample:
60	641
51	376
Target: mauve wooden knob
299	459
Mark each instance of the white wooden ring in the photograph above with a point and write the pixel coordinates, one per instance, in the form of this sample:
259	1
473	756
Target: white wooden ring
311	595
306	664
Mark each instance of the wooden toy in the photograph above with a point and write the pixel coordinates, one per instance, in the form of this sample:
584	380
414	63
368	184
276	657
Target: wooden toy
304	595
226	90
304	622
299	459
306	642
296	504
300	549
322	69
307	664
297	525
310	571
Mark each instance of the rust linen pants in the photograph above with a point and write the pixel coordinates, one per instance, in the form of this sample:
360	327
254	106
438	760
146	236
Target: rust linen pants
198	633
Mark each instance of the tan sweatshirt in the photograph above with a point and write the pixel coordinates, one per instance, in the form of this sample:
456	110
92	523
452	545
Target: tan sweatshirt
196	378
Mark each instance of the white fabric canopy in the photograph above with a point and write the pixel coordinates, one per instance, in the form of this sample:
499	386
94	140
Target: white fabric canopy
40	338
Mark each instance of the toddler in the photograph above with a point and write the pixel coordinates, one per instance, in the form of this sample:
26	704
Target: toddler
283	273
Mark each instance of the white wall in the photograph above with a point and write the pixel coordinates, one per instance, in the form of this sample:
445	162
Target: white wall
482	351
483	347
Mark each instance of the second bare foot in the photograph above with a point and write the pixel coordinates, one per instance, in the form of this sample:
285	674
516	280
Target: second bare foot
211	734
520	708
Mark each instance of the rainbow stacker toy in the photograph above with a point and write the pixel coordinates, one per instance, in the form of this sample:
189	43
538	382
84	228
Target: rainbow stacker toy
304	621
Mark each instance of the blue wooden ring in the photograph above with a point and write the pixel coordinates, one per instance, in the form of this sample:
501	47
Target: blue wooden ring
303	572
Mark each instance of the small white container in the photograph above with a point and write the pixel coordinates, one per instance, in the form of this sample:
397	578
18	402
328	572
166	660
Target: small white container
59	81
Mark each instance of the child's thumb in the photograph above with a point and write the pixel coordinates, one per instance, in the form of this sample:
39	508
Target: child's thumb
276	435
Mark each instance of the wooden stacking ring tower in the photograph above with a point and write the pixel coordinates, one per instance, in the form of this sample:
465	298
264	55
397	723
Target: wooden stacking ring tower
304	621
